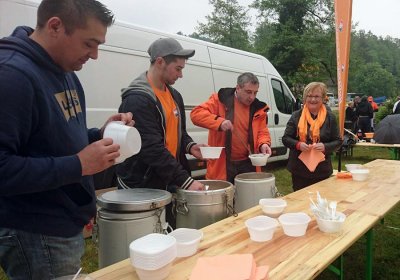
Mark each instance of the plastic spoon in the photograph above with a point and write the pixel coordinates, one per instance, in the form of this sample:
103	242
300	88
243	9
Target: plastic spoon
333	205
77	274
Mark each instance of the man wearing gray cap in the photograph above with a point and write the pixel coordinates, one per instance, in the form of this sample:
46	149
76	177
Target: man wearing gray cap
160	118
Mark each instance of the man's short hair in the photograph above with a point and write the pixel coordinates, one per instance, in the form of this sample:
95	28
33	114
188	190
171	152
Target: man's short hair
169	49
247	77
73	13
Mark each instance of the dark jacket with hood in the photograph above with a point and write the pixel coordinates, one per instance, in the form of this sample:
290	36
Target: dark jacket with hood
154	166
42	128
329	136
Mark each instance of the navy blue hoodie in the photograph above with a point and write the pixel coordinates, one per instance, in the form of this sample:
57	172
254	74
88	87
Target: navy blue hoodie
42	128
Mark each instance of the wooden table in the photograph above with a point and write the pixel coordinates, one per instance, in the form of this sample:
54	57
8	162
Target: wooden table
394	148
364	203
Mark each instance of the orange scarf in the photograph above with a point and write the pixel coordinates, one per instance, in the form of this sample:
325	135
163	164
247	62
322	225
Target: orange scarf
315	125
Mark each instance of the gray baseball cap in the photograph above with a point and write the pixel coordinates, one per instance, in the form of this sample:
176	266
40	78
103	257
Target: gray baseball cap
167	46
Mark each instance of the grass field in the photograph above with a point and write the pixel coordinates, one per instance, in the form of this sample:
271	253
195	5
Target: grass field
386	235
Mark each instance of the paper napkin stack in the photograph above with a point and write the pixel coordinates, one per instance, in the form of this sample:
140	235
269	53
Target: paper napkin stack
229	267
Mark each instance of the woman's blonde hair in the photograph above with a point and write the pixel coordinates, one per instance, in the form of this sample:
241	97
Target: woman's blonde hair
312	86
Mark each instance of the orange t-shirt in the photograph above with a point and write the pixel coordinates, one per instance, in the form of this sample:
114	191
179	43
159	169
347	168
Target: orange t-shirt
241	128
171	118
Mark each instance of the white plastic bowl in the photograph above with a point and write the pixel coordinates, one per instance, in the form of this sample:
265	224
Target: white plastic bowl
359	174
273	207
211	152
294	224
261	228
331	226
259	159
152	251
157	274
353	166
187	241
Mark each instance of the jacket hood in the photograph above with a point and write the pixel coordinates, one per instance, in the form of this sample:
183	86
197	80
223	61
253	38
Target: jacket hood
19	41
140	84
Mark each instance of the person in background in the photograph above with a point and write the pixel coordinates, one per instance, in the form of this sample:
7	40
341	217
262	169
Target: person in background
236	120
396	107
312	127
47	154
375	108
364	112
350	116
160	119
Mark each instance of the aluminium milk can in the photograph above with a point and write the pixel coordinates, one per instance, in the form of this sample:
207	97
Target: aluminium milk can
197	209
251	187
125	215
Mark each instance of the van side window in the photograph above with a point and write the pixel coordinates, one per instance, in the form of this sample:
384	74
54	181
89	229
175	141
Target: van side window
283	99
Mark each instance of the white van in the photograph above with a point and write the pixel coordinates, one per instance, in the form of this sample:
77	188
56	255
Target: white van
124	56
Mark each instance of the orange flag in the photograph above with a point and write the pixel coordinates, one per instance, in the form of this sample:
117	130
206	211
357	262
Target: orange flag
343	34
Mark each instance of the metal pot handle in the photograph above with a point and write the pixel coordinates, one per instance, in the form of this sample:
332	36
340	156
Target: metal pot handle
181	207
229	208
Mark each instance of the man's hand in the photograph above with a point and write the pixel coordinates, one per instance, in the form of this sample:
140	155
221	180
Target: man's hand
265	149
226	125
196	186
98	156
195	150
126	118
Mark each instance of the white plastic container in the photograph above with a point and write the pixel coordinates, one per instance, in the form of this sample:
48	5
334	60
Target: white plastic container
294	224
331	226
261	228
259	159
187	241
211	152
359	174
127	137
353	166
273	207
157	274
153	251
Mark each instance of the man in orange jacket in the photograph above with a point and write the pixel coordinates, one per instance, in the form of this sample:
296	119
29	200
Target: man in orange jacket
237	120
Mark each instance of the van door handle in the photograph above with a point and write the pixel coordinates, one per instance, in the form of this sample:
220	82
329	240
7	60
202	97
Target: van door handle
276	119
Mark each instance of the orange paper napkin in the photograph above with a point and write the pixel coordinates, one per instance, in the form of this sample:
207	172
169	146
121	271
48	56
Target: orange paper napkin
229	267
312	158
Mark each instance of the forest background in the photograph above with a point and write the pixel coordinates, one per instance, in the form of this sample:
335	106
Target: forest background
298	37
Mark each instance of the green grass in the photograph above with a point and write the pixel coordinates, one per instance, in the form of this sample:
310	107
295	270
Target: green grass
386	235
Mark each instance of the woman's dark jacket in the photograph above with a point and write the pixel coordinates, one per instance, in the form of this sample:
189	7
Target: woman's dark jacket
329	136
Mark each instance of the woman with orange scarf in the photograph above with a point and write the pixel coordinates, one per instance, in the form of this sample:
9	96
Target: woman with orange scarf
312	130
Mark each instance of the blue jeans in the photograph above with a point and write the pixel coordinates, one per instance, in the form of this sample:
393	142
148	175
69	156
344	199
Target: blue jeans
25	255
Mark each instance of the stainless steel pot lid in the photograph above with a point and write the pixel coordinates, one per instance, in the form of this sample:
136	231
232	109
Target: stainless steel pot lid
134	199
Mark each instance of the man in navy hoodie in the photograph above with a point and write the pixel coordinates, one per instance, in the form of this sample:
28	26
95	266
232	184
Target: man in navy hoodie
47	154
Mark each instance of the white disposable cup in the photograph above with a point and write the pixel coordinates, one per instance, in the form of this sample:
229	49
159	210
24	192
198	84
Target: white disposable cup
127	137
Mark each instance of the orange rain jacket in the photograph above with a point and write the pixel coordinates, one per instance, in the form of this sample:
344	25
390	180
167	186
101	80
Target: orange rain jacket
213	112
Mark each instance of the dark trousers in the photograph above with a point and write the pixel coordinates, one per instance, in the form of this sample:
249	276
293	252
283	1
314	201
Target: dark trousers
302	182
238	167
364	123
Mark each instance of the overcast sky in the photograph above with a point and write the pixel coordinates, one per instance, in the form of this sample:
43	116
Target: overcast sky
379	16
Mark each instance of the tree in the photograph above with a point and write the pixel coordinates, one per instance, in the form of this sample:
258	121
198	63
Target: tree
372	79
296	35
227	25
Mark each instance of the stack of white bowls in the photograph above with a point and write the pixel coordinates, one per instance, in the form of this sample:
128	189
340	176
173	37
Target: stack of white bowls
152	255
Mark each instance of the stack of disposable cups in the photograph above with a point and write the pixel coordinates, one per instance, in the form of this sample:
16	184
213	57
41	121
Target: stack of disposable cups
152	255
127	137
